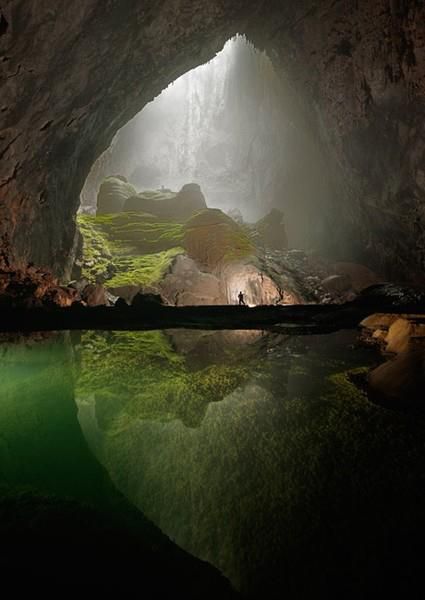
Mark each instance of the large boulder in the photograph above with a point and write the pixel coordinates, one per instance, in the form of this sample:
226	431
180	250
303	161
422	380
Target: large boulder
336	284
168	205
213	239
113	193
395	333
360	276
186	284
400	382
94	294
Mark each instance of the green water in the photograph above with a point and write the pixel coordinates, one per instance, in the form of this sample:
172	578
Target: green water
254	452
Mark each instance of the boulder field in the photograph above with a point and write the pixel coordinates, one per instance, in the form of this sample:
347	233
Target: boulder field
172	244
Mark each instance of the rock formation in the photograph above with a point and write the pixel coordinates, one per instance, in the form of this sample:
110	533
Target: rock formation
72	78
212	239
167	204
271	231
113	193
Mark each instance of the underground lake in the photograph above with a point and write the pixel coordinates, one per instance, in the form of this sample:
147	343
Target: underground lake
257	453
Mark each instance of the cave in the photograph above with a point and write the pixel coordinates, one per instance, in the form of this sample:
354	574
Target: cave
360	93
163	163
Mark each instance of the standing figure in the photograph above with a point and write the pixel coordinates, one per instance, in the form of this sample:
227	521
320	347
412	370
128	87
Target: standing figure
241	299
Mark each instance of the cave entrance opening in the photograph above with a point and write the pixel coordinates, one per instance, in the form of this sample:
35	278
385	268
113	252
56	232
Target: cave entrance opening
229	136
222	125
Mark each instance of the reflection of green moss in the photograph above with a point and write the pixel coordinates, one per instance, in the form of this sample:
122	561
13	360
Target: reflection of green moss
138	375
339	386
183	395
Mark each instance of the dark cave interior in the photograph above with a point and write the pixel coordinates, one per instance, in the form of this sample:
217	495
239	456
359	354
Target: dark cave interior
159	161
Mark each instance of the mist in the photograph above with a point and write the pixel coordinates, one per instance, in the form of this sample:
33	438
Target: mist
221	125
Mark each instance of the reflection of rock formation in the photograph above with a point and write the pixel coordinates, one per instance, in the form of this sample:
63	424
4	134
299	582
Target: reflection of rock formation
399	382
272	487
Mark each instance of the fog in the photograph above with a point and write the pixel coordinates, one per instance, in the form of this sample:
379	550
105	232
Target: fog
233	126
221	125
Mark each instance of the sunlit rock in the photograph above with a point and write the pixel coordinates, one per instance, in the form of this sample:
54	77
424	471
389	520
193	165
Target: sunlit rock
395	333
257	287
186	284
398	336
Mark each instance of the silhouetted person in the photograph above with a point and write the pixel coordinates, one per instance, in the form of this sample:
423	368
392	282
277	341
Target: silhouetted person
241	299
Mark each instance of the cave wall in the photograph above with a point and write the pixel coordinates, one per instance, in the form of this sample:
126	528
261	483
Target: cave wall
73	73
359	69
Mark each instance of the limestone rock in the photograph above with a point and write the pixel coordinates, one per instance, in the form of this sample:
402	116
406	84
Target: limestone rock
400	382
31	287
395	333
113	193
212	238
186	284
398	336
360	276
168	205
271	231
336	284
257	287
95	295
364	109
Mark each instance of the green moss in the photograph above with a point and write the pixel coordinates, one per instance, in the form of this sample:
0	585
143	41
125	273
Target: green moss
97	254
211	237
142	270
237	246
128	248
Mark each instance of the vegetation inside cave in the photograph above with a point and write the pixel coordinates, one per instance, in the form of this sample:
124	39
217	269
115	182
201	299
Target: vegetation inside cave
212	297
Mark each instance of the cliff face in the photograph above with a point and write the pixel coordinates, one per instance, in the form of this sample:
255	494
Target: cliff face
73	73
359	68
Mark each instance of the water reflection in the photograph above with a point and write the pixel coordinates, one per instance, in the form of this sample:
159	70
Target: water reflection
258	454
255	452
41	444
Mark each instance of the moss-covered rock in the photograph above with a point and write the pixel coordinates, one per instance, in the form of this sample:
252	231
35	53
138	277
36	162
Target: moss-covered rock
128	249
144	270
113	193
214	239
168	205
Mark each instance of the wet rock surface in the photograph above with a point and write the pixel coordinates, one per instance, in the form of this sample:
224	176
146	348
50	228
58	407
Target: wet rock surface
399	382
